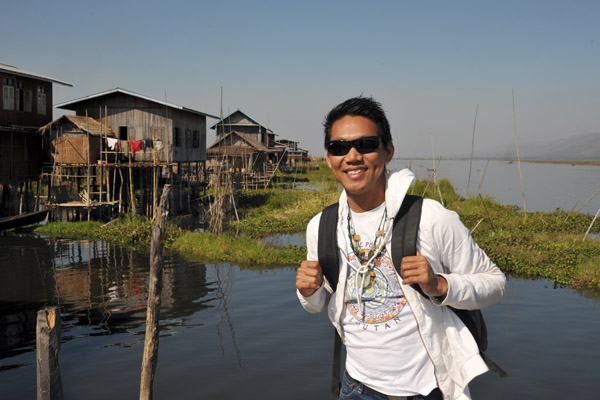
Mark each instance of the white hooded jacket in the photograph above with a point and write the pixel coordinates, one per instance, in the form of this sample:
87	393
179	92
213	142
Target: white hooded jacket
474	282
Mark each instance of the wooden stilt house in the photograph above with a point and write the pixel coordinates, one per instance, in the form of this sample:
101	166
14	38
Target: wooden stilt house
74	140
155	143
177	133
245	143
238	151
25	105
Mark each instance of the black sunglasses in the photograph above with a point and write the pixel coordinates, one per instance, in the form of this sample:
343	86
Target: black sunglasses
364	145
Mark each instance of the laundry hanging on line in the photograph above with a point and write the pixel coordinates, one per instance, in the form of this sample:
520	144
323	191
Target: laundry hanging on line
147	144
113	144
135	145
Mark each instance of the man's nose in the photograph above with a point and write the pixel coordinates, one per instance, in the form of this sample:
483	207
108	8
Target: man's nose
353	155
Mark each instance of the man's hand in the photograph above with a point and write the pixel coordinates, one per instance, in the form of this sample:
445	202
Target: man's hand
309	278
416	269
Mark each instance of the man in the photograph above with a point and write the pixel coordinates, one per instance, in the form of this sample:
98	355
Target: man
400	344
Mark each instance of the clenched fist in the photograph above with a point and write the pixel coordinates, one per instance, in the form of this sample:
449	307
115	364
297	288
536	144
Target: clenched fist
416	269
309	278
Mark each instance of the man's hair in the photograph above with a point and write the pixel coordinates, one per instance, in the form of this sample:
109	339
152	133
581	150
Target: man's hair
360	106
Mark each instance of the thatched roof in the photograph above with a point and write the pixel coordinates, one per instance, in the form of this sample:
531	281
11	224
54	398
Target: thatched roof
225	145
95	127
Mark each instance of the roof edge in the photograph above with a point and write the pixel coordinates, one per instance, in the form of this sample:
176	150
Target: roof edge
21	72
64	105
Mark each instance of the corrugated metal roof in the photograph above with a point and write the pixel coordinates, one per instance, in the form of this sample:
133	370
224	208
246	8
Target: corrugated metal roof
68	105
243	113
21	72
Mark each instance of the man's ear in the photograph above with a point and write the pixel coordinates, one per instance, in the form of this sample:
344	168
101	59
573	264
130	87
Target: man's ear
327	159
390	152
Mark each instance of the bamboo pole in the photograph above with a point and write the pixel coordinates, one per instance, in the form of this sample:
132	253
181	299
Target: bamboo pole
588	200
432	177
150	358
121	190
89	195
518	156
101	186
131	189
108	191
49	383
481	177
154	182
592	224
472	147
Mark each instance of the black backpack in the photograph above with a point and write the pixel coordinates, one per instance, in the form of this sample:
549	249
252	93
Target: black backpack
404	239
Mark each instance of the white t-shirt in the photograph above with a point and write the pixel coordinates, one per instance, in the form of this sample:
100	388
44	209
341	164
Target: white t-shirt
384	348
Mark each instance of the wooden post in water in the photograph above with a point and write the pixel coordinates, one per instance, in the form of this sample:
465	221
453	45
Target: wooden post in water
49	384
154	290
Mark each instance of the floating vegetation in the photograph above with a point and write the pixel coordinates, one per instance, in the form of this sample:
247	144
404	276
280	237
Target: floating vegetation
544	245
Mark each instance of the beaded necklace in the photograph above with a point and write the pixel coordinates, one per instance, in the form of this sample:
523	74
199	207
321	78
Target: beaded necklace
366	257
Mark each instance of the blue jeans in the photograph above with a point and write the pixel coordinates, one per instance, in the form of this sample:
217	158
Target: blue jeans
355	390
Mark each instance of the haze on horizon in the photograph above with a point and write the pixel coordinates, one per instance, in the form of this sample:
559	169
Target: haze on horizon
429	63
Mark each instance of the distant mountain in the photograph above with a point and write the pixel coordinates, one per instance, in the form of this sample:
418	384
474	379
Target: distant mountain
576	148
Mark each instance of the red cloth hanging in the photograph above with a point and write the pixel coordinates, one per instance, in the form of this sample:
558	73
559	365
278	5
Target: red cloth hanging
135	145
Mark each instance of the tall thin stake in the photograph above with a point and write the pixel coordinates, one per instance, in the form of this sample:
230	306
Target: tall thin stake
89	195
154	297
518	156
592	224
472	147
588	200
481	177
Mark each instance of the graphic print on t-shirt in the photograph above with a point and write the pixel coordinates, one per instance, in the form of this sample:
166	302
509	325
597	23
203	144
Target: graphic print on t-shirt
382	299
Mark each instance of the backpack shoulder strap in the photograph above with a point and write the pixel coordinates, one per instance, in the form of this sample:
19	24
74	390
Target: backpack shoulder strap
328	259
404	243
327	244
405	230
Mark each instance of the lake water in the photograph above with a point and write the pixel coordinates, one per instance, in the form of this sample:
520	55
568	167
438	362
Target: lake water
547	186
231	333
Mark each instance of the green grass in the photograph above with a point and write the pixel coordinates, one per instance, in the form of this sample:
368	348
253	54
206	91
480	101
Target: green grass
537	245
126	230
206	247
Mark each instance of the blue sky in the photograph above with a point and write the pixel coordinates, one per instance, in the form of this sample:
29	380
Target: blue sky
430	63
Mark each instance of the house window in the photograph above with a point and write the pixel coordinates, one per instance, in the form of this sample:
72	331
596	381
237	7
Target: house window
20	97
41	100
123	133
176	137
8	94
27	101
188	137
196	139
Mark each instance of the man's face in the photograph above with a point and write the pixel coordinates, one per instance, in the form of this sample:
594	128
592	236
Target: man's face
362	175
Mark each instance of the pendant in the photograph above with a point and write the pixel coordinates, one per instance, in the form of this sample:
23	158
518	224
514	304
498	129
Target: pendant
372	276
363	279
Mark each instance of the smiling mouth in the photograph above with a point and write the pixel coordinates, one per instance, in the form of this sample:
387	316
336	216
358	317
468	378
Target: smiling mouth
356	171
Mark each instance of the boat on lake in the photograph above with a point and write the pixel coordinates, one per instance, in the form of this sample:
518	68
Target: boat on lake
24	219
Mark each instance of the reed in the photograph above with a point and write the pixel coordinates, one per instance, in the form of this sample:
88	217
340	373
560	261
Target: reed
588	200
591	224
472	148
518	156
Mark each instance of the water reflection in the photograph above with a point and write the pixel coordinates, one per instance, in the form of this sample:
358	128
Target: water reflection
98	286
234	332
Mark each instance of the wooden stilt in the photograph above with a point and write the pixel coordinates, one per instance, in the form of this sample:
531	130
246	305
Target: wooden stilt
49	383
